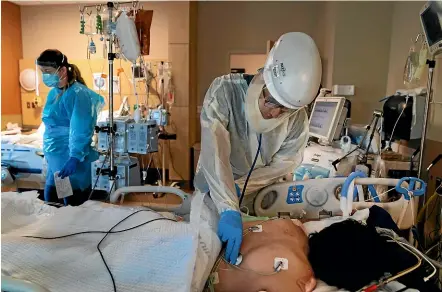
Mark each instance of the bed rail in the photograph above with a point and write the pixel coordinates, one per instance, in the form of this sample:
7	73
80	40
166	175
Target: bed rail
182	209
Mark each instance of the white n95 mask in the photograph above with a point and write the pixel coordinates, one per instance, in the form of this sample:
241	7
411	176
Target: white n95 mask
252	111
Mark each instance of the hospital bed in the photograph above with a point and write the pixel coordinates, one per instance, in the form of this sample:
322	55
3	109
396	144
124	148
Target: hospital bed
141	259
22	156
172	254
321	198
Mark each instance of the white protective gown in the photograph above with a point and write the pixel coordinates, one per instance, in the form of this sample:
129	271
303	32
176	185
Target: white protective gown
229	145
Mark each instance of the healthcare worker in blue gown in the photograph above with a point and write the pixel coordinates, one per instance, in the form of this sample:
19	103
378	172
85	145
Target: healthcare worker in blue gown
240	110
69	116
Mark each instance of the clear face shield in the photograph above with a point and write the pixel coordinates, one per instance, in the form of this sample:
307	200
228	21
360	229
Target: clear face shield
46	67
270	102
263	111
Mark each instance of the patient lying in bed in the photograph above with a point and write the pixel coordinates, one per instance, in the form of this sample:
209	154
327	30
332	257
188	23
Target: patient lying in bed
279	238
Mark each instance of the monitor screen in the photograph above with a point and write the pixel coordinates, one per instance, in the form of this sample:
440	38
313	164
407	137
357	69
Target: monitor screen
322	117
432	20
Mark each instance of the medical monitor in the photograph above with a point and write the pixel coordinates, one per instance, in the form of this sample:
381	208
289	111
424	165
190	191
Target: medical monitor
327	118
431	20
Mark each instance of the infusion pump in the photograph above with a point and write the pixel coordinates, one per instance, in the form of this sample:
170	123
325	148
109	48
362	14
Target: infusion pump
130	137
128	173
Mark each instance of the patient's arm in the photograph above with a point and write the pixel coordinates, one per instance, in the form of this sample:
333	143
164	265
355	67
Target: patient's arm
280	238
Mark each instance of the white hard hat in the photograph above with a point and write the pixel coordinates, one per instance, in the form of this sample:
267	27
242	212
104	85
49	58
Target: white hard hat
293	70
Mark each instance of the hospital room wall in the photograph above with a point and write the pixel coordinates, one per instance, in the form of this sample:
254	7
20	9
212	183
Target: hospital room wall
354	48
360	50
244	27
57	26
11	54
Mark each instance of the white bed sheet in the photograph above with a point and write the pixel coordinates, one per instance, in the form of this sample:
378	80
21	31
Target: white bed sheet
161	256
31	141
34	140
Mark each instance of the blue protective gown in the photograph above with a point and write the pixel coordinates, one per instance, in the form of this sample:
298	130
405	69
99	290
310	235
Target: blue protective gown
69	117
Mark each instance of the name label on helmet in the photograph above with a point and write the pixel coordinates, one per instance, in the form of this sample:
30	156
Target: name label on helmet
282	69
278	70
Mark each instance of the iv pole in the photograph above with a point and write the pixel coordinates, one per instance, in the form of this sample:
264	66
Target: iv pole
431	62
110	129
110	58
431	65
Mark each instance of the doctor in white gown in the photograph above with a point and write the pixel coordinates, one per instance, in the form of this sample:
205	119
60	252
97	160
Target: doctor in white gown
239	110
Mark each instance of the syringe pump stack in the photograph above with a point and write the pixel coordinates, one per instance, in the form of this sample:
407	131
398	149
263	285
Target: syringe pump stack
120	140
130	136
142	137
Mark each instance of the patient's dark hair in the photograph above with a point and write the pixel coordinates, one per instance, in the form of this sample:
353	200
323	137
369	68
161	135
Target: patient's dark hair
351	255
347	255
58	59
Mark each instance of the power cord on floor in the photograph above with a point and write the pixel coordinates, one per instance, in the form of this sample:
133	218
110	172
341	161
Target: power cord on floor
110	231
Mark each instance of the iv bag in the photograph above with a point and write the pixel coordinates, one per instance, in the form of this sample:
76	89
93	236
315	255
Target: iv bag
170	95
128	38
415	65
423	56
410	66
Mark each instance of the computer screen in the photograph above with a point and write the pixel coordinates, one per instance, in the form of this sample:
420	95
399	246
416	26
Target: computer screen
322	117
433	25
431	19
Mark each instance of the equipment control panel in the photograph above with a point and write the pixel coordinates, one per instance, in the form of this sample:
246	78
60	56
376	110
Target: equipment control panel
294	195
143	137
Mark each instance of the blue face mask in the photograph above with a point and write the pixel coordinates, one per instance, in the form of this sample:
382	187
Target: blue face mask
51	80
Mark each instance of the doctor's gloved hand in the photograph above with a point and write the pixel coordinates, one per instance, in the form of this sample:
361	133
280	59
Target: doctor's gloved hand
230	231
69	168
